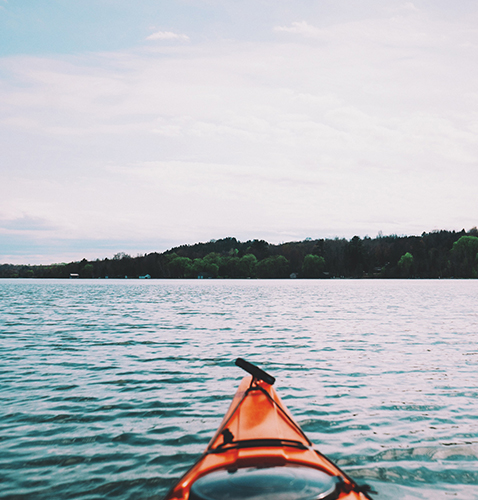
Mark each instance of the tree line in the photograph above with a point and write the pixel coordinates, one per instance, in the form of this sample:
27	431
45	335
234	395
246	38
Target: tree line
438	254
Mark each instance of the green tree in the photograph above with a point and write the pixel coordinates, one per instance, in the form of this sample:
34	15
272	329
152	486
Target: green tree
179	267
273	267
209	265
121	255
230	267
248	265
313	266
465	256
466	246
406	263
354	256
206	267
87	271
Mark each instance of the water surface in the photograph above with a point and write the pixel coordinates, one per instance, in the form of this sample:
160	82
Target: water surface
112	389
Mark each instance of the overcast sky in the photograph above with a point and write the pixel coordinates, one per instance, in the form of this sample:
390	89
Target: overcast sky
137	126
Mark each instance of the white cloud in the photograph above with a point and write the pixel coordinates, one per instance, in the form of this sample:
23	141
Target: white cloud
25	223
300	28
168	35
410	6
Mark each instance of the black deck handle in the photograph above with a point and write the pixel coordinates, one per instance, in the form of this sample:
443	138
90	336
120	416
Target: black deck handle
255	371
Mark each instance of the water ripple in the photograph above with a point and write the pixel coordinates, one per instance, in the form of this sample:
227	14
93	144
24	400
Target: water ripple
113	388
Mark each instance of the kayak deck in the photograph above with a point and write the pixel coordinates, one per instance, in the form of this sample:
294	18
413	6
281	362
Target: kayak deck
260	452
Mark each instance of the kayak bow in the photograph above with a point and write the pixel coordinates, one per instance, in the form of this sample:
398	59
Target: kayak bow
259	452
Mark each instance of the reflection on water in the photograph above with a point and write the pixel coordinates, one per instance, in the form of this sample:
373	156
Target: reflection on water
113	388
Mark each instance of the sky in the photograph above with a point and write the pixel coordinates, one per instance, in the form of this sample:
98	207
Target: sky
138	126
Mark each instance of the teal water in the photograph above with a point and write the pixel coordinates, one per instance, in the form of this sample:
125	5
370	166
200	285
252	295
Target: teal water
111	389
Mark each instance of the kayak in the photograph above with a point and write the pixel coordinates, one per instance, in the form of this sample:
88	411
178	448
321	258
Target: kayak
259	452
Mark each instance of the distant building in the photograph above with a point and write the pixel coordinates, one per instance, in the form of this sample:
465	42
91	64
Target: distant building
204	276
74	276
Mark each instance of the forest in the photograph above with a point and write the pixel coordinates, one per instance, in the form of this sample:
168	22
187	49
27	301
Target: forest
438	254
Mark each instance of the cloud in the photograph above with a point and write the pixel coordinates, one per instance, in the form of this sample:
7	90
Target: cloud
410	6
27	223
168	35
374	130
300	28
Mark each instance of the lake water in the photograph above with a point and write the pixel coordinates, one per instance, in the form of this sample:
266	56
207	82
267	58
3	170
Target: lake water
112	389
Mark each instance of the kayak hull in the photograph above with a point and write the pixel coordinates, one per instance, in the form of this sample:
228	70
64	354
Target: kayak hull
259	433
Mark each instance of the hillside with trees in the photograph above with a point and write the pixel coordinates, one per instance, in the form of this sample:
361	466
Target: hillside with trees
439	254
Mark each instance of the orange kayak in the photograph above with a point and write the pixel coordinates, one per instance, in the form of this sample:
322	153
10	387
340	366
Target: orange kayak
260	453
